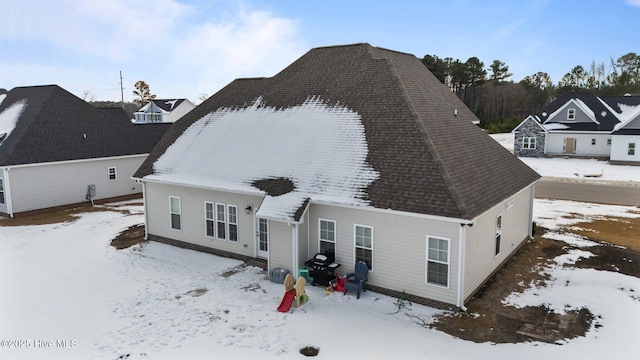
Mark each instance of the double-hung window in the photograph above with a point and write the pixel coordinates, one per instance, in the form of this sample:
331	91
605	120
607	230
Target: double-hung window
221	218
364	244
112	174
437	261
529	143
571	114
176	213
209	219
327	236
1	192
232	216
631	151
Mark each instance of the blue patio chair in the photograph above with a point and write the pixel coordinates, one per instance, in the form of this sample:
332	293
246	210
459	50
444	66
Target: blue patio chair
357	279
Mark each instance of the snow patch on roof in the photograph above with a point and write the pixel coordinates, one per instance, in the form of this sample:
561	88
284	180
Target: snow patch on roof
9	117
555	126
320	147
2	97
628	112
172	103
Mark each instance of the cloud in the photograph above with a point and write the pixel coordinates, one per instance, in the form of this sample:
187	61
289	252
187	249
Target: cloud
635	3
179	49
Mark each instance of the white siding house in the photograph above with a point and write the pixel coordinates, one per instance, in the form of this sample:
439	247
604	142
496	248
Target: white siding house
351	151
60	150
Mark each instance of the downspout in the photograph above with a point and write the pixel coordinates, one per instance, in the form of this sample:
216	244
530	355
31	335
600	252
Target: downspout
146	211
294	237
533	193
7	191
461	258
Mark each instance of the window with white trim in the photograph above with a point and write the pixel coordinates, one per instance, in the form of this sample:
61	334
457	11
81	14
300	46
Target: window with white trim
632	149
529	142
221	221
176	212
232	220
608	141
364	244
437	261
327	236
571	114
593	141
209	219
498	233
112	173
1	191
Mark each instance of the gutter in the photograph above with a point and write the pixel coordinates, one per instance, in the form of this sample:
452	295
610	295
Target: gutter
146	213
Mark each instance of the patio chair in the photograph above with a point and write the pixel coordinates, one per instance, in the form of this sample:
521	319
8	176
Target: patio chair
357	279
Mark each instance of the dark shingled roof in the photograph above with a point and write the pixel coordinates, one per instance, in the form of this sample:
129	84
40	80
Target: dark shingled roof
607	122
117	113
170	106
56	125
430	157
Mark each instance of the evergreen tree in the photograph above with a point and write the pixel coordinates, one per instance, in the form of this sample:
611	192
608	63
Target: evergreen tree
142	93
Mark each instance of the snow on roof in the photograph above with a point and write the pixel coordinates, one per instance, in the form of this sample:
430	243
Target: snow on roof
321	148
2	97
555	126
9	118
172	103
628	111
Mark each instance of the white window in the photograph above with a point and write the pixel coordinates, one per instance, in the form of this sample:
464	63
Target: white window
593	141
498	233
209	219
571	114
529	143
232	216
1	192
175	212
327	236
632	149
364	244
112	174
437	261
221	221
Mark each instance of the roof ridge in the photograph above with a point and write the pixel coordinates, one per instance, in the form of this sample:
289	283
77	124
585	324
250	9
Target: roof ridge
462	208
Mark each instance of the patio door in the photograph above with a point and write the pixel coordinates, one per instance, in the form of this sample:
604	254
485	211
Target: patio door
569	146
263	238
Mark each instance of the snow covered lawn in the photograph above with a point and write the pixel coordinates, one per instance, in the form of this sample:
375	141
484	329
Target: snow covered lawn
577	169
64	282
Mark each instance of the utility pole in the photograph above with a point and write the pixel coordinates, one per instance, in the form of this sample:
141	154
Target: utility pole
121	90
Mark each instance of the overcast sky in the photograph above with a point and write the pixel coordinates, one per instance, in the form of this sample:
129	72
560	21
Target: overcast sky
185	48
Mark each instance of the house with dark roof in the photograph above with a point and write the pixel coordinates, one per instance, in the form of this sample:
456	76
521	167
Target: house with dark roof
582	124
56	150
162	110
356	152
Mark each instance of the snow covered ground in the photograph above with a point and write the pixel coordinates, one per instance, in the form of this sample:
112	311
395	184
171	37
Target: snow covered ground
576	169
64	282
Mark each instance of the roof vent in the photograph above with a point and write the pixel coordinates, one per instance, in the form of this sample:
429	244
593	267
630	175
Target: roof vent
603	113
455	112
544	114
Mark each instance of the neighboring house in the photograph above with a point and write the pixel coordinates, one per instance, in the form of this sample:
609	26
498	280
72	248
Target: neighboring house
353	151
54	146
583	125
162	111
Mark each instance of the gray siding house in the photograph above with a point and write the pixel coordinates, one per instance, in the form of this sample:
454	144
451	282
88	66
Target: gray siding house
54	145
354	151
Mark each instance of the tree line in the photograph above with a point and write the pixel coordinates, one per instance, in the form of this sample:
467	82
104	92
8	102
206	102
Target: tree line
501	104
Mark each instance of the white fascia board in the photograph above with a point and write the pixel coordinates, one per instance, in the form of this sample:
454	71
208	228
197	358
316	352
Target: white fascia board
505	199
203	187
576	132
587	111
532	119
394	212
77	161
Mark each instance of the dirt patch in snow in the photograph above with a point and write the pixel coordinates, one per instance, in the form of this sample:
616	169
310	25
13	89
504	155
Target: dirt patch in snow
615	230
488	320
62	214
132	236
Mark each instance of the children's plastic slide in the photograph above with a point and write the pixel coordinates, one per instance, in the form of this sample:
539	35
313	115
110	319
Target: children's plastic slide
287	300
